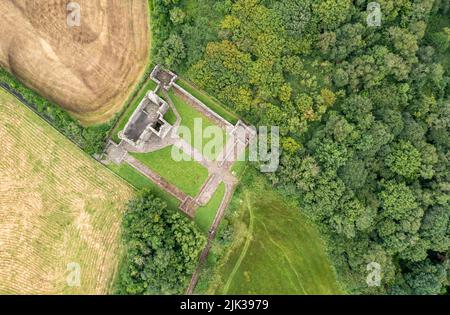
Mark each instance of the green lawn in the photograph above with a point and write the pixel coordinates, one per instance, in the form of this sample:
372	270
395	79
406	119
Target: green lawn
189	115
170	117
205	215
188	176
140	182
277	250
150	85
209	101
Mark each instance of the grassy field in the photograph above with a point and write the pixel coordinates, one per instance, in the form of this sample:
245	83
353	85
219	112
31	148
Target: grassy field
276	250
205	215
208	101
140	182
150	85
188	116
57	206
239	166
188	176
89	70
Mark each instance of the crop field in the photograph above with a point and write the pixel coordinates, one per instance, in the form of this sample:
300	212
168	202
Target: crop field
89	69
188	176
276	251
57	207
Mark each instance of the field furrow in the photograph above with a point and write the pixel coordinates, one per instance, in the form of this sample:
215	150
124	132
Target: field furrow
57	206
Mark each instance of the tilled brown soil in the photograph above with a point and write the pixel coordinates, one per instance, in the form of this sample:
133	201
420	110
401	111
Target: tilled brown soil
89	69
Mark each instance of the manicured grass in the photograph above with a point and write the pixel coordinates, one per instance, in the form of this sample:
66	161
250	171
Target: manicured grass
188	118
150	85
170	117
209	101
276	252
188	176
141	182
205	215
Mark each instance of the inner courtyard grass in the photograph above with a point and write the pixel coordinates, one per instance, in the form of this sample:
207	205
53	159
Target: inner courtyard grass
189	116
188	176
277	252
205	215
170	115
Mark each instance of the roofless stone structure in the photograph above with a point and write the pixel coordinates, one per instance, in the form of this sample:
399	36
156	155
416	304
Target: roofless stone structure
147	121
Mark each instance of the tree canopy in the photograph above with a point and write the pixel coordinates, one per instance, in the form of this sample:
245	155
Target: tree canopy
364	114
162	248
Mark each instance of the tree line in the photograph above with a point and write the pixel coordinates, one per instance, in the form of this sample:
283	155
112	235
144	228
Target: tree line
89	138
364	116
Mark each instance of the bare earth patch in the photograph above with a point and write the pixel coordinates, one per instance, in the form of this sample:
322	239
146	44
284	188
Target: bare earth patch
89	70
57	206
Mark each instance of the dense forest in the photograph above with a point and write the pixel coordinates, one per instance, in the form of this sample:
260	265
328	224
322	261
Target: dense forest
364	113
161	248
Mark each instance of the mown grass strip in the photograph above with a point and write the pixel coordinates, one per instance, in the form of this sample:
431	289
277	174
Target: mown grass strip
208	101
140	182
205	215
